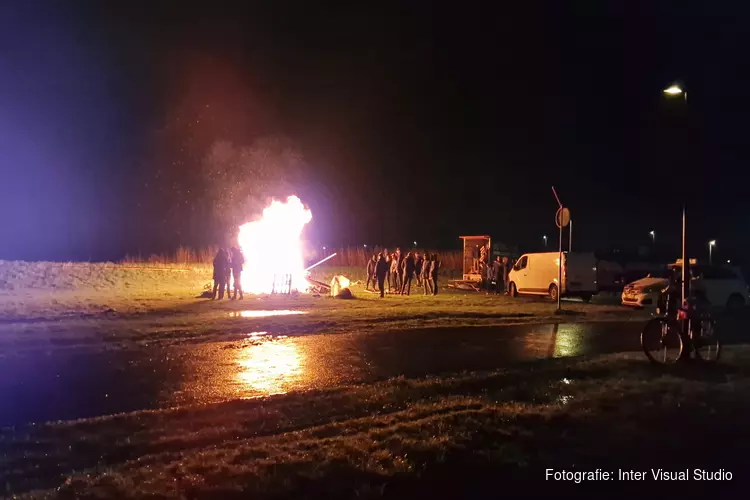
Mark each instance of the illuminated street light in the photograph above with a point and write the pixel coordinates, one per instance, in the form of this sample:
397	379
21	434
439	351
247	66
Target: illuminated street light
674	91
653	236
545	240
711	245
415	244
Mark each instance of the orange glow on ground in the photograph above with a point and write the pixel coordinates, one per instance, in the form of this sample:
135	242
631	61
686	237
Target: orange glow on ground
272	247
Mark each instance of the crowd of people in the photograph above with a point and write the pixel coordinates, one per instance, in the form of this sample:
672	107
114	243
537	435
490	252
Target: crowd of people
228	263
497	273
493	273
396	270
399	271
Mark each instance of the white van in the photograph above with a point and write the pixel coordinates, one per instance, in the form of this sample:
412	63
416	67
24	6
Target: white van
536	274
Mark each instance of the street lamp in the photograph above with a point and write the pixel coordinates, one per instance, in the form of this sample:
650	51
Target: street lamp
415	244
653	236
711	245
545	240
674	91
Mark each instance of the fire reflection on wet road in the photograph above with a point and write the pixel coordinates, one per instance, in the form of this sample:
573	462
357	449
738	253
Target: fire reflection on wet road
268	368
255	313
38	386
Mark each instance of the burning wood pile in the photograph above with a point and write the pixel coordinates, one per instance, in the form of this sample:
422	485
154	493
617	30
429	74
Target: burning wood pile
273	253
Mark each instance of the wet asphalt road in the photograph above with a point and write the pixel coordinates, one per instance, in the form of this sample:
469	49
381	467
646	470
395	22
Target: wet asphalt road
68	384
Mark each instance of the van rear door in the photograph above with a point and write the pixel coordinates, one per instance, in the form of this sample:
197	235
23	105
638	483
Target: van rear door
580	272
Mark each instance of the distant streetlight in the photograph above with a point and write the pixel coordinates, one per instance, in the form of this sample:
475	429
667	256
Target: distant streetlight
415	244
674	91
545	240
324	249
729	261
711	245
365	245
653	236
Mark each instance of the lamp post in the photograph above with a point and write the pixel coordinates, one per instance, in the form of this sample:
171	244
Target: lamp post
545	240
653	237
711	245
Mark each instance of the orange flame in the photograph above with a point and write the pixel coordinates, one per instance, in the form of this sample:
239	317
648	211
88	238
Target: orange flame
272	247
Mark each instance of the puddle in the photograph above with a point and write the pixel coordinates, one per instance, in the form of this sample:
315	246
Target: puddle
270	368
264	313
52	384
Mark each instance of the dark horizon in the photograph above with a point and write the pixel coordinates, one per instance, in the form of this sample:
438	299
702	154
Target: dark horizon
418	123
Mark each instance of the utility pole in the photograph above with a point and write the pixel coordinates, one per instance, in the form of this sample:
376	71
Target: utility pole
570	237
562	219
685	261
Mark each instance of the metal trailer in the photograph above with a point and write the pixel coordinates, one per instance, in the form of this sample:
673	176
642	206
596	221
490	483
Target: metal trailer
470	272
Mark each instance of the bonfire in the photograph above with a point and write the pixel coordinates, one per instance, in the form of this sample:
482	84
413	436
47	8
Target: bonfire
273	250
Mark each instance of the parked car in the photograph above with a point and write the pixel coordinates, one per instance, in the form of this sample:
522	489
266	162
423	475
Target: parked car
537	274
723	287
645	292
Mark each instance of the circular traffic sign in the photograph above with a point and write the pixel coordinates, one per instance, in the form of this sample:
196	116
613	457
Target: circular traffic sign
562	217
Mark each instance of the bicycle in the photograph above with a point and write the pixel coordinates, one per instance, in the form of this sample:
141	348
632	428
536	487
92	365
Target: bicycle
663	339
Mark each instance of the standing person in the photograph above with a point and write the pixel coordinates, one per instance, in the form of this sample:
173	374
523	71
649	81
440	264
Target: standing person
506	274
435	270
408	273
381	269
238	261
427	274
499	273
229	273
418	262
395	273
370	270
387	258
221	263
489	276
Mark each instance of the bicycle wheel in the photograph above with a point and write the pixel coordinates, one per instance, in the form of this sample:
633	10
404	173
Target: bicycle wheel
707	345
661	341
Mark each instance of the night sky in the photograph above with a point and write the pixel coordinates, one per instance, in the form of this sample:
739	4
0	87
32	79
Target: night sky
419	122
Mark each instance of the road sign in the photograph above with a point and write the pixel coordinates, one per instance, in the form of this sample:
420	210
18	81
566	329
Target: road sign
562	217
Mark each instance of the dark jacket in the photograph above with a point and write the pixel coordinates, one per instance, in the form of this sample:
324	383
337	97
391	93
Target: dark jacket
381	268
221	265
409	265
434	267
238	261
370	267
506	270
497	271
418	263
